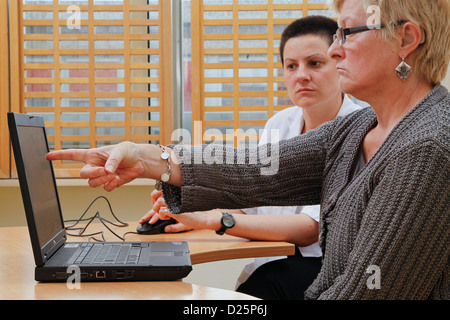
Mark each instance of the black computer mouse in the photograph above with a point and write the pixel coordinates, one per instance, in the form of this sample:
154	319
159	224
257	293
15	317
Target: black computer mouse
157	227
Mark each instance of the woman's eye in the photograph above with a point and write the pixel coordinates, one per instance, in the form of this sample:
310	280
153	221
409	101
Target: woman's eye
291	66
316	63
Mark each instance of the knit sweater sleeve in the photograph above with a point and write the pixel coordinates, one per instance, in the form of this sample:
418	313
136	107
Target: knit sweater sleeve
404	235
287	173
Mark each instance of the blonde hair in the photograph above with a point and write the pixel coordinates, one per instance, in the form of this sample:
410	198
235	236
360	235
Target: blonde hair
432	16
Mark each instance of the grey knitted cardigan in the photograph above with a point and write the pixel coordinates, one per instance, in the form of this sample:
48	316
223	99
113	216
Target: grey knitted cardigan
384	232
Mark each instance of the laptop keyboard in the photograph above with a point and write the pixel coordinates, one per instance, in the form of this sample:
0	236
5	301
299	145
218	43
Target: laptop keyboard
98	253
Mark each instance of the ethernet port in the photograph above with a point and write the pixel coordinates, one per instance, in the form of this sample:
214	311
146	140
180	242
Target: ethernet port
100	274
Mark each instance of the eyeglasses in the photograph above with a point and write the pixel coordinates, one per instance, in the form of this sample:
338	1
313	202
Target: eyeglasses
341	34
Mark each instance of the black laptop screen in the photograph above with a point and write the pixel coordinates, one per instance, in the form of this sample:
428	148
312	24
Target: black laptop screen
40	182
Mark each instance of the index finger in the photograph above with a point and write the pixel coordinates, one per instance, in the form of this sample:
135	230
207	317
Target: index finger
156	194
68	154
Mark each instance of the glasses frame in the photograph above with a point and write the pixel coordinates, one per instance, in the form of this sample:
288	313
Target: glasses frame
342	33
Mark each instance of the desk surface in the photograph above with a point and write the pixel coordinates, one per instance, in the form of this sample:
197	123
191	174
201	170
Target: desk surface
207	246
17	267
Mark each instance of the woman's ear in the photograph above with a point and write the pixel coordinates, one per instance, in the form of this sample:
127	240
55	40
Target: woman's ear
411	37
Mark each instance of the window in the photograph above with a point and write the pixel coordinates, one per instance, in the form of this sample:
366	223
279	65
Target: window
232	70
95	71
105	71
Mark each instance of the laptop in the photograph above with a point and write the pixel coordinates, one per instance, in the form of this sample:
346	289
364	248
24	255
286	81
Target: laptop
55	257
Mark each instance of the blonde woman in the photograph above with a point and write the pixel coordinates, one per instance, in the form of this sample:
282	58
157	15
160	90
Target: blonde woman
312	83
380	174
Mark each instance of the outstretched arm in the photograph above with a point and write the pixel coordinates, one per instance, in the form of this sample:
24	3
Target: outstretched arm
114	166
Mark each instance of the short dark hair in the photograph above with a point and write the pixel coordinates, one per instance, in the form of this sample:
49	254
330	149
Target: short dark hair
317	25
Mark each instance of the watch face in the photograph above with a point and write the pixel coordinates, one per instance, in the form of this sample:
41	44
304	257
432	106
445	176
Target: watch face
228	221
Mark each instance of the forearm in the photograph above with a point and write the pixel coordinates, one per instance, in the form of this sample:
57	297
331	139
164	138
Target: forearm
243	182
298	229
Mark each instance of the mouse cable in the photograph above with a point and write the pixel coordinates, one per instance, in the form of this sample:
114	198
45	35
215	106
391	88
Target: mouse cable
122	224
82	230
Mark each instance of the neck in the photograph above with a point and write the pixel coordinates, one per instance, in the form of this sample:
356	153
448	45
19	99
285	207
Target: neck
392	103
316	116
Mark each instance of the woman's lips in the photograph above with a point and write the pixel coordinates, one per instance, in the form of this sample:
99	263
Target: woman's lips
304	90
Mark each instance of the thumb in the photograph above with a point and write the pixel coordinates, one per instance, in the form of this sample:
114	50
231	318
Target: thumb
177	227
114	160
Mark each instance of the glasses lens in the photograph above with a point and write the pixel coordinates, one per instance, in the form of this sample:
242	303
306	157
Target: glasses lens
341	36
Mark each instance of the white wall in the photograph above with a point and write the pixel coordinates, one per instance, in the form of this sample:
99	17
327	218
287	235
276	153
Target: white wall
129	203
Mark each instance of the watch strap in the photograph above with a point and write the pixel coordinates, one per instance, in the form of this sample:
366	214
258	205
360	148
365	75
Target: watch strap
224	227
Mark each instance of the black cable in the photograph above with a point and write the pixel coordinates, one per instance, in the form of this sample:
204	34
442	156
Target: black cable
124	224
102	220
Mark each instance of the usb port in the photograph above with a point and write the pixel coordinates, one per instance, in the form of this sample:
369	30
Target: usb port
124	274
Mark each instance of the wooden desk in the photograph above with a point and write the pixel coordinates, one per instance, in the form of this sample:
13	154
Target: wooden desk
205	245
17	268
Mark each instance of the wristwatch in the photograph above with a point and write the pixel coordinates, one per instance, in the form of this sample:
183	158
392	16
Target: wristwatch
227	223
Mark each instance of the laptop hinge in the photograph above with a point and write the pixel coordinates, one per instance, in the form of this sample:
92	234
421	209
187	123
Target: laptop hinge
53	245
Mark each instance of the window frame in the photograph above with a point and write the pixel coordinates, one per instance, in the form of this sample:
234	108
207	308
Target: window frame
17	85
5	149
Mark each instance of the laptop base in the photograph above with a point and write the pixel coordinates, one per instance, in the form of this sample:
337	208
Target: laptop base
109	274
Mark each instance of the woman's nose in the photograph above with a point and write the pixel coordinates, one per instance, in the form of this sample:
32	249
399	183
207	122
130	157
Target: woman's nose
303	74
336	52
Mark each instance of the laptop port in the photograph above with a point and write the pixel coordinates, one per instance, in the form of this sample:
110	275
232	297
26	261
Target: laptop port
124	274
61	275
100	274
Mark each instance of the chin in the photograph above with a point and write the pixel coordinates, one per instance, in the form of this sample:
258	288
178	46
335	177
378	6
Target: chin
306	102
347	86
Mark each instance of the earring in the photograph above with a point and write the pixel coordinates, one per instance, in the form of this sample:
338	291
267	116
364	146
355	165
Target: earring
403	70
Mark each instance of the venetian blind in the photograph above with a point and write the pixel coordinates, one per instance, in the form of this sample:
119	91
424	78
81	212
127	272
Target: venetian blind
237	76
96	70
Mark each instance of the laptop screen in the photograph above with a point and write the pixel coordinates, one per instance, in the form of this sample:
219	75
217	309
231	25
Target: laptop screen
44	198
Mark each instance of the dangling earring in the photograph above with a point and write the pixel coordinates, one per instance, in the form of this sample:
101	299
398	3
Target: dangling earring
403	70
